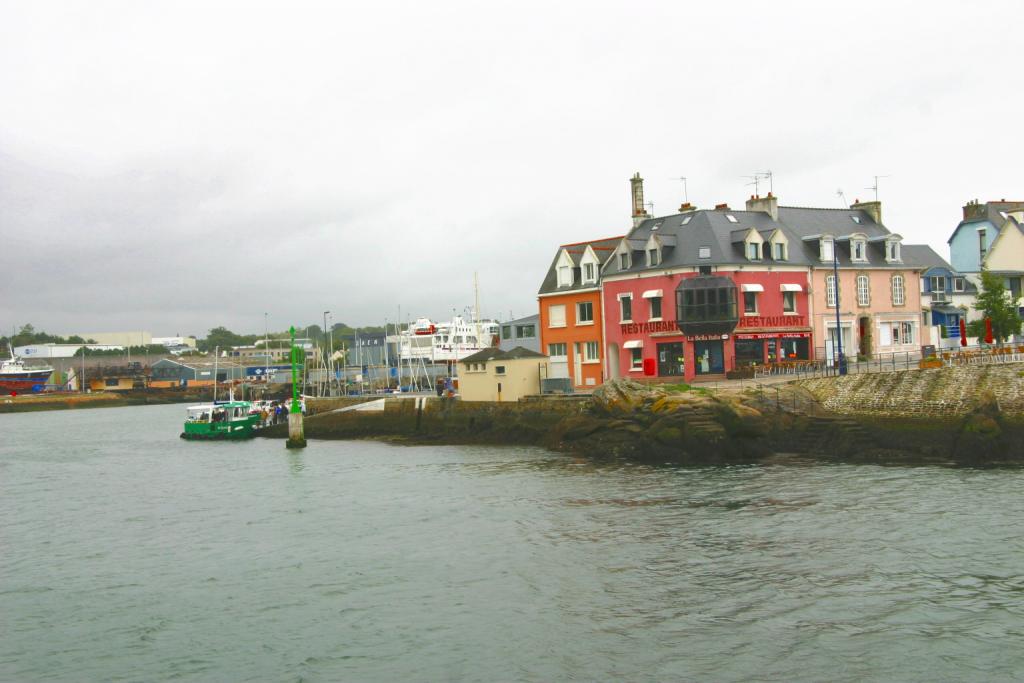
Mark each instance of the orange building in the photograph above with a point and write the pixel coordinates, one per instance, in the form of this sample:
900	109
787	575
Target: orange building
571	319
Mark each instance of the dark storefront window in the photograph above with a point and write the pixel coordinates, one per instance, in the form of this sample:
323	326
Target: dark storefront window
749	352
670	359
710	358
795	349
706	305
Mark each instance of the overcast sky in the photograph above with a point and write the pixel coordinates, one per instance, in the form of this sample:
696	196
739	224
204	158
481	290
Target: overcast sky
176	166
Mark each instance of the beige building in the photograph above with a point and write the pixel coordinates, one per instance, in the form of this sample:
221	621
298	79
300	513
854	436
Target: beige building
496	375
137	338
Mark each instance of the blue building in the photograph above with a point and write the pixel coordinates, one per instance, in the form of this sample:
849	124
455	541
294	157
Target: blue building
947	297
524	332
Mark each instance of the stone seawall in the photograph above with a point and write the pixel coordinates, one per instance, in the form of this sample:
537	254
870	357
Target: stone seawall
934	393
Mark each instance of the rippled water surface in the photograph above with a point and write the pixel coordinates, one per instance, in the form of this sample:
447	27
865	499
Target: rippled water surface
128	554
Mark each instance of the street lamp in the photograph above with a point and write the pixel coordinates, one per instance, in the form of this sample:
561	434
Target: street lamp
841	364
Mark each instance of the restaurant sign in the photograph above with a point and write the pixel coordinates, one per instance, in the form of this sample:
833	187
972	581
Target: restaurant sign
650	326
773	321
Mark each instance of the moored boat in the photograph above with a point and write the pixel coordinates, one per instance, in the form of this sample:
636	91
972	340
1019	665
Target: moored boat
222	420
16	378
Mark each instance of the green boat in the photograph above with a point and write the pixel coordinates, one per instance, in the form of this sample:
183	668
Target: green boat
222	420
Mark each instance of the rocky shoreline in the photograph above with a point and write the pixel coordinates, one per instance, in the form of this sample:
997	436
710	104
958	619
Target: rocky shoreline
687	425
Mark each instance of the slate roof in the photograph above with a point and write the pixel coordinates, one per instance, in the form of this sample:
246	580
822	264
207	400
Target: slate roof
929	258
603	249
993	216
495	353
723	237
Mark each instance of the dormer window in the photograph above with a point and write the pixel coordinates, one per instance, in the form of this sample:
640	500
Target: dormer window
827	249
565	276
753	251
858	250
624	261
588	272
892	251
652	256
779	251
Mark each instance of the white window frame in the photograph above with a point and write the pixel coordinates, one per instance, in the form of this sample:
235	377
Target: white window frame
959	284
753	296
861	246
622	318
936	279
863	293
564	276
653	256
650	309
579	308
624	261
789	310
636	359
779	251
589	273
828	249
591	352
558	346
556	315
830	291
753	251
899	293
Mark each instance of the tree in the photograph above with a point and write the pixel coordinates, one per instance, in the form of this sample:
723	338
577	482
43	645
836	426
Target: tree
993	303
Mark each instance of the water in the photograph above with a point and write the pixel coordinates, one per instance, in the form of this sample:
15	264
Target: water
128	554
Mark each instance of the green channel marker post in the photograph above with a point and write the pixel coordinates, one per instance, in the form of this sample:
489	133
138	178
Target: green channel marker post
296	433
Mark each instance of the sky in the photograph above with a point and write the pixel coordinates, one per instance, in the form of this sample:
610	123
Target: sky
177	166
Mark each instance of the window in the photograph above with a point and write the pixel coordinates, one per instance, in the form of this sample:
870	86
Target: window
827	249
750	303
981	245
704	252
655	302
892	250
903	333
626	306
652	257
636	359
705	270
506	332
623	261
937	283
564	276
731	218
789	302
588	272
525	332
958	284
708	305
780	251
897	290
830	291
584	312
560	350
855	219
858	251
686	219
556	316
753	251
592	351
499	369
863	290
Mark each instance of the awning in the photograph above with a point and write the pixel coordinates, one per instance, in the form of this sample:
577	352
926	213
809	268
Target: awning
791	288
752	288
634	344
651	293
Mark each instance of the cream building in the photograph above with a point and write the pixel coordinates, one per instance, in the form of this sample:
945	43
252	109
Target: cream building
501	376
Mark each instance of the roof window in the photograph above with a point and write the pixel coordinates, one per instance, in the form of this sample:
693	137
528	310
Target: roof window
656	226
704	252
686	219
855	219
731	218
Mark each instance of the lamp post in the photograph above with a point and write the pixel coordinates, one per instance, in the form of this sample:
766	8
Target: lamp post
841	364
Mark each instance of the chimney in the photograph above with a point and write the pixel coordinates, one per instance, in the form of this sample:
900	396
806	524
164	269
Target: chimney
687	207
722	207
637	186
768	205
974	211
873	209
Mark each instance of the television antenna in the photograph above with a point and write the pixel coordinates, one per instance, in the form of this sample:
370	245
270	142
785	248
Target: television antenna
686	194
758	178
875	186
651	205
842	196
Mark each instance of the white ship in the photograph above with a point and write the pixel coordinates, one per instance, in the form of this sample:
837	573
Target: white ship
446	342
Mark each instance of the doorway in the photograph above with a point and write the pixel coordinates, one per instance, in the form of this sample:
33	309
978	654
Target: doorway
865	335
613	361
670	359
